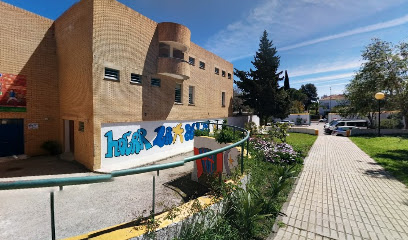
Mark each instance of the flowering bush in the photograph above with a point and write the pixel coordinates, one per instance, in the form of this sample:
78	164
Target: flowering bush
276	152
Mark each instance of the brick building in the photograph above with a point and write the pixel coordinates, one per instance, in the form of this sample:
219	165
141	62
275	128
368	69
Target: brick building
107	83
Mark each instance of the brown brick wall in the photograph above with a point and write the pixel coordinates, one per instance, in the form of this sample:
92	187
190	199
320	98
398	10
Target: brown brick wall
28	48
128	41
73	32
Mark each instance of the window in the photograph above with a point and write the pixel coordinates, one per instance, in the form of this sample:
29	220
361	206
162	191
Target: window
202	65
155	82
229	75
190	95
217	71
177	91
164	50
111	74
178	54
223	99
223	73
135	78
191	60
81	127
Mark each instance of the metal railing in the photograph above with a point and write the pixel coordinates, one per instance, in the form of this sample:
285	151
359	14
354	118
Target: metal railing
61	182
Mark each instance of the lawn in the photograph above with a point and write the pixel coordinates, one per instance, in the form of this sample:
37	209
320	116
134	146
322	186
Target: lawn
390	152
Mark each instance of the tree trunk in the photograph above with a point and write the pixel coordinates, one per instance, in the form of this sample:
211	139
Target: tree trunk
406	121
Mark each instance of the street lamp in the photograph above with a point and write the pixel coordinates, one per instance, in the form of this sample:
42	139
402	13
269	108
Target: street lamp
379	96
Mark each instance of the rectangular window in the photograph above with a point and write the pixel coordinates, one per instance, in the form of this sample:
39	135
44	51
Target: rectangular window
190	95
202	65
191	60
81	127
111	74
223	73
217	71
155	82
177	91
135	78
223	99
229	75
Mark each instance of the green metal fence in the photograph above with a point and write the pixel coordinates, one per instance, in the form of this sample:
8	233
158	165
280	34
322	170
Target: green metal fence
61	182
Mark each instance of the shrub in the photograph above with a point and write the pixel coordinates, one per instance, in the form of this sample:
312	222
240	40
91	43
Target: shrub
203	132
53	147
279	131
282	153
251	126
392	123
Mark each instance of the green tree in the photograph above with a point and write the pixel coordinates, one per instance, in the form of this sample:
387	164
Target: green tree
310	91
260	87
384	70
286	85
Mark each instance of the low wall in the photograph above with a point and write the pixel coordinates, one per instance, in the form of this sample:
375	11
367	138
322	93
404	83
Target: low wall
303	130
356	132
222	162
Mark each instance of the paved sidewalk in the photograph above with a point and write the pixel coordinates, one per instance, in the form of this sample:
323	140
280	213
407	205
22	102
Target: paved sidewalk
344	194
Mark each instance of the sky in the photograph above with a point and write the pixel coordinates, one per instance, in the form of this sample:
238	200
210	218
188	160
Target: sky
318	41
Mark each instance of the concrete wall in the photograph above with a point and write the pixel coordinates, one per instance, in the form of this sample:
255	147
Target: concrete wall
126	145
356	132
27	47
224	162
303	130
240	121
73	32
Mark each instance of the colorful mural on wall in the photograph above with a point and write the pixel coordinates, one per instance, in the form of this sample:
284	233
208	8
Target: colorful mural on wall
222	162
126	145
13	91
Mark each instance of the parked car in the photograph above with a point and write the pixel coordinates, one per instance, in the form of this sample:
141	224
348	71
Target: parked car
287	122
346	125
323	120
339	131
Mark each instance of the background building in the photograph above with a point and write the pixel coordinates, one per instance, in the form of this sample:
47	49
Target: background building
102	75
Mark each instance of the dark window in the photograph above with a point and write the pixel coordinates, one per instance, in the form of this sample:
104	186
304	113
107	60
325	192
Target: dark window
111	74
223	73
155	82
202	65
164	50
191	95
135	78
191	60
223	99
178	54
81	127
229	75
217	71
177	91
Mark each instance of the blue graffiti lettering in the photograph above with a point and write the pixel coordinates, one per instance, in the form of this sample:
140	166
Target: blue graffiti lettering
111	144
169	136
159	140
124	147
189	135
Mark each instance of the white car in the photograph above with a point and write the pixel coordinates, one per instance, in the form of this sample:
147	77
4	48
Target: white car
287	122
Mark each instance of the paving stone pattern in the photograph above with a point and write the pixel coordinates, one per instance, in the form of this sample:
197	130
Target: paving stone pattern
342	193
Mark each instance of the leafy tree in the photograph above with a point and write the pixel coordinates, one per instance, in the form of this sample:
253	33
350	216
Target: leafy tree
260	87
238	103
385	70
310	91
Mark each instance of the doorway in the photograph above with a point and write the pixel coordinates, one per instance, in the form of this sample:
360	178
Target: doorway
69	143
11	137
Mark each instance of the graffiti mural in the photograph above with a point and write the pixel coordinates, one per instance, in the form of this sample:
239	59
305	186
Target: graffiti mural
210	164
13	91
132	144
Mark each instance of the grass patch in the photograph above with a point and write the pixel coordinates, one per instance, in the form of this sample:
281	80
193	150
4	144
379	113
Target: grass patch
390	152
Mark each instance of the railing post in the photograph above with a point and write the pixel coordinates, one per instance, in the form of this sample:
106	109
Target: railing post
247	147
52	215
154	195
242	158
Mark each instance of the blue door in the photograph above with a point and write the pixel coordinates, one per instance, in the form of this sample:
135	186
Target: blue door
11	137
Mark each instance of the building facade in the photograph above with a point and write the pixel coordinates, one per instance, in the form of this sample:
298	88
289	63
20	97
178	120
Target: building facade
107	83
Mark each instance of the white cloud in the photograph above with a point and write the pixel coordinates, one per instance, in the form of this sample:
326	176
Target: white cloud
325	67
369	28
325	78
294	21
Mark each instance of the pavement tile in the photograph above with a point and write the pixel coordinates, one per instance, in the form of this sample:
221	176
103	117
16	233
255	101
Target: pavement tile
335	198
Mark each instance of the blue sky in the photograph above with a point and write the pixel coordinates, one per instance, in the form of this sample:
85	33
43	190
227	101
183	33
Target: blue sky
319	41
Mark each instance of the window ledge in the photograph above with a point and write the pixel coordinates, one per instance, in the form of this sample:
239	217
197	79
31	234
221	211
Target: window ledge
176	103
135	83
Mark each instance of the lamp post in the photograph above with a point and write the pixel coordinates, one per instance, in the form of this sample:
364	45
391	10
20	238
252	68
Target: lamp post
379	96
